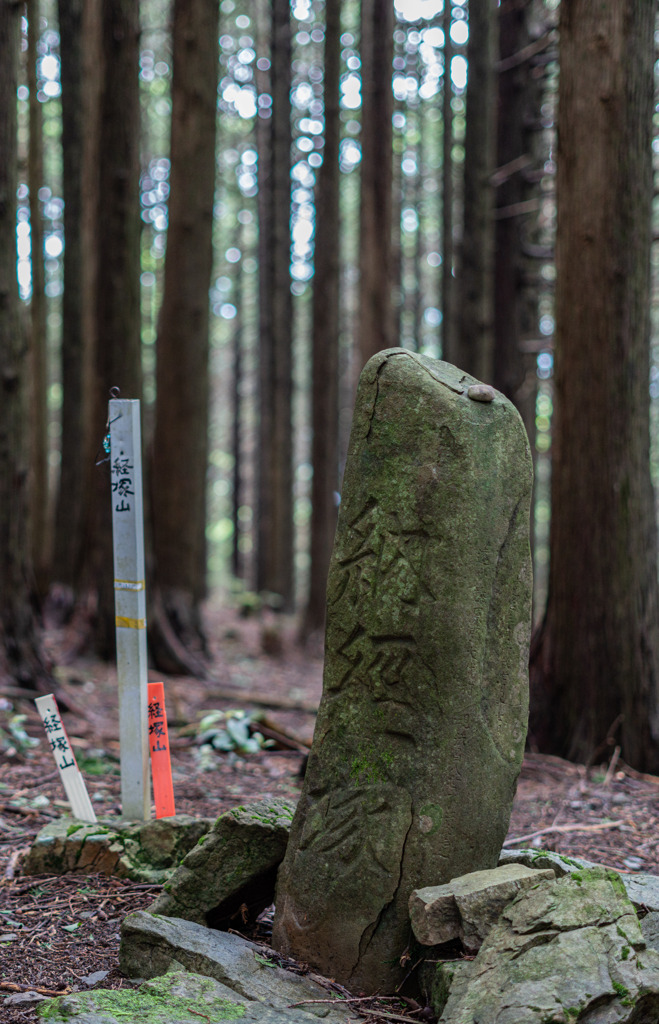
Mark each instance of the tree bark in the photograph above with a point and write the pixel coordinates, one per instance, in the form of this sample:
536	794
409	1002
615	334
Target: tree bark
69	514
449	340
595	666
39	521
21	660
237	413
325	335
375	251
274	556
180	444
117	355
476	283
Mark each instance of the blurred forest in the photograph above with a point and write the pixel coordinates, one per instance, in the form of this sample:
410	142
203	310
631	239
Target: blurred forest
224	209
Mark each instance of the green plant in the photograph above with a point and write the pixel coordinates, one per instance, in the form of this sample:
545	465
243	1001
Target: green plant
229	731
13	738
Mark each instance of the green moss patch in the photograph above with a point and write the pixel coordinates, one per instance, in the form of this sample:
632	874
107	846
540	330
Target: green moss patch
153	1003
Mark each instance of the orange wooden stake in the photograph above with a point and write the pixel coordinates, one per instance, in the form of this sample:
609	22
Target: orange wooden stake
161	768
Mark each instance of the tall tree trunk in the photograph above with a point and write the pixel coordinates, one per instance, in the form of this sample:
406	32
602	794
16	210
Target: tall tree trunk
375	255
20	656
74	352
117	361
39	520
180	444
274	557
595	667
508	366
325	335
237	413
449	340
515	300
419	204
476	283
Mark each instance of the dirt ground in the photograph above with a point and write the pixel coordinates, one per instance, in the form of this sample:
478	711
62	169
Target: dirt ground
62	933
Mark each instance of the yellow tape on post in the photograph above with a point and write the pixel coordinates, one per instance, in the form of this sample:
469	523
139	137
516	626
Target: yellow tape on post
125	623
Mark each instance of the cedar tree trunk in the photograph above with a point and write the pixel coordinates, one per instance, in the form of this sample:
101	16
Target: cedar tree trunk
595	666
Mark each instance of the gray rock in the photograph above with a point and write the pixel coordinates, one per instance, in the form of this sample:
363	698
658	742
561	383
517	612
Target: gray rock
466	908
532	858
438	978
153	945
23	999
94	978
650	929
177	998
143	851
234	864
421	726
569	951
642	888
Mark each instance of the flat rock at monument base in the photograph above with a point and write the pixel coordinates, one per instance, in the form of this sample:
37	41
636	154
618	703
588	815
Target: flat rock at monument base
642	888
233	866
568	951
466	908
144	851
177	998
152	945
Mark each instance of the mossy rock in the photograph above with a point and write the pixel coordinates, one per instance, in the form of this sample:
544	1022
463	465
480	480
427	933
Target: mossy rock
422	723
569	950
145	851
232	870
178	997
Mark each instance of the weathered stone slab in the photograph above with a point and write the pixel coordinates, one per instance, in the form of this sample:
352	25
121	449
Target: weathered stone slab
421	726
176	998
466	908
568	951
152	946
143	851
233	865
642	888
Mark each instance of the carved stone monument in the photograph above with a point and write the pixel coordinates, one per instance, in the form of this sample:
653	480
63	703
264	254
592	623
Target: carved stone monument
422	722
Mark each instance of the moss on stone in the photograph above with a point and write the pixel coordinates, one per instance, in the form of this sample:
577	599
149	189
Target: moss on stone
152	1003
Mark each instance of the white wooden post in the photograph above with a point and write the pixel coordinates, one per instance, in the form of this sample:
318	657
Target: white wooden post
72	780
130	605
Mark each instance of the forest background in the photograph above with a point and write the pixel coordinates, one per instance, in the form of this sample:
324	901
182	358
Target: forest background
224	210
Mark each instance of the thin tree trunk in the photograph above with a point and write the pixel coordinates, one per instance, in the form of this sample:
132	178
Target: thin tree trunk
74	353
21	660
476	284
595	666
325	335
274	559
237	412
375	253
417	306
449	341
38	387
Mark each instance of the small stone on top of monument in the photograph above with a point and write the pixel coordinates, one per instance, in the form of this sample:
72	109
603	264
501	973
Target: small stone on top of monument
422	721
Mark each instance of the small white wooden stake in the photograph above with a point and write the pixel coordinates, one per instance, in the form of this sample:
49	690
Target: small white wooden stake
72	780
130	605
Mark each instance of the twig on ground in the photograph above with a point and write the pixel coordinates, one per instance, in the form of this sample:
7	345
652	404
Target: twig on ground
197	1014
11	986
564	828
612	767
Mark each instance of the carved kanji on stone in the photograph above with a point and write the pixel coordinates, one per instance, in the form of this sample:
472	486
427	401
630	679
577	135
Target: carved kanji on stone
422	722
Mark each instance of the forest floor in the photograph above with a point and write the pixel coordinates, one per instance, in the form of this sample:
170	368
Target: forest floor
59	934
